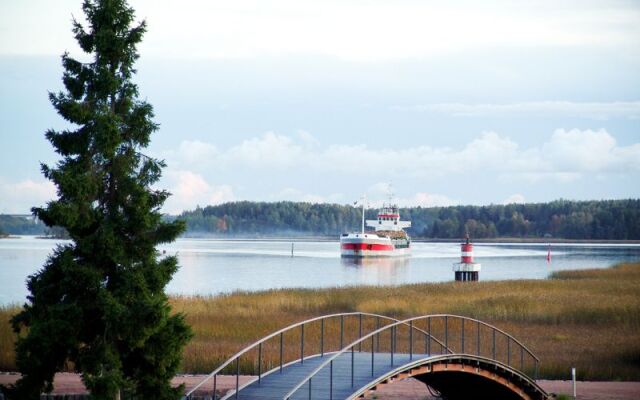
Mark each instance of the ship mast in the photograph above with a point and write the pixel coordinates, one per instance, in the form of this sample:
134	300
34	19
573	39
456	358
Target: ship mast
364	200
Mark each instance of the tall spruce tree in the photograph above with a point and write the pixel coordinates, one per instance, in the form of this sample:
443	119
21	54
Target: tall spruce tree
98	304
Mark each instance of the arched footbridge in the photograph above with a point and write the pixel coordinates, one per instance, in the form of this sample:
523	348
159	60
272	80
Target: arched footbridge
351	355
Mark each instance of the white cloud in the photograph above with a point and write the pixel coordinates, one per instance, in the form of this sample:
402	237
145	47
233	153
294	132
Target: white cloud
575	150
19	197
514	199
190	190
427	200
565	156
589	110
269	150
291	194
383	192
385	30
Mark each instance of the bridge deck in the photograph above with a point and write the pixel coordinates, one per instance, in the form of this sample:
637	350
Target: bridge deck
277	384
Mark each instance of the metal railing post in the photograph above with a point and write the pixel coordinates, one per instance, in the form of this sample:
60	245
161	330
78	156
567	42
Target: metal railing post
429	334
215	383
391	343
372	354
478	339
462	340
508	351
360	332
446	332
378	335
309	388
259	363
494	344
352	369
331	380
341	331
302	344
281	344
322	338
237	375
411	340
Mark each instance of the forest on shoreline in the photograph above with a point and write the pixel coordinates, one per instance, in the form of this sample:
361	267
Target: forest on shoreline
563	219
559	219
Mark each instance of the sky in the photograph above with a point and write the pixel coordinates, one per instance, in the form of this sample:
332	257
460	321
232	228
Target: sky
439	103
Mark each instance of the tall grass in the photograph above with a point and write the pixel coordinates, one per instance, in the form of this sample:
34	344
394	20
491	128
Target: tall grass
585	319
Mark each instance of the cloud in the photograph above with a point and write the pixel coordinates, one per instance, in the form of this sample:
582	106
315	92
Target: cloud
291	194
567	155
190	190
575	150
269	150
514	199
386	30
427	200
267	167
383	192
588	110
19	197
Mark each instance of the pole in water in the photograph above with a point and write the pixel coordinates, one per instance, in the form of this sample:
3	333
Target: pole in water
573	379
291	249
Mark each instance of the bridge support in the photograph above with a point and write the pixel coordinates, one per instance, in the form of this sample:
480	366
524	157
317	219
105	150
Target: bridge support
459	381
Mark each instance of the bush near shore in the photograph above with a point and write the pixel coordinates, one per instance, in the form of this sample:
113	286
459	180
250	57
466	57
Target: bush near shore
588	319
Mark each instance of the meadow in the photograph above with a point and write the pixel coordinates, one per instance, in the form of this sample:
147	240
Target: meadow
588	319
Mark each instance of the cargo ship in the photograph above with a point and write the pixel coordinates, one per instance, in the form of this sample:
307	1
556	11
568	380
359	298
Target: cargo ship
387	240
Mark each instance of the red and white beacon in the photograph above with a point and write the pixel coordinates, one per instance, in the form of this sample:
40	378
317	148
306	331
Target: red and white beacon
466	269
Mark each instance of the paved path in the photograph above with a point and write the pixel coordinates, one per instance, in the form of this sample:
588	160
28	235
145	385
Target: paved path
408	389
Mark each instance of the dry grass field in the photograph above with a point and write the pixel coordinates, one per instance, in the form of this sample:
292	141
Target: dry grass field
586	319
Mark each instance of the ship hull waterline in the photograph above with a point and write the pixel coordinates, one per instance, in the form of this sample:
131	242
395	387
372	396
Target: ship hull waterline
369	247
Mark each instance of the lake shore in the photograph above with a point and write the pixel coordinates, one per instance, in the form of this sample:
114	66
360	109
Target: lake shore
588	319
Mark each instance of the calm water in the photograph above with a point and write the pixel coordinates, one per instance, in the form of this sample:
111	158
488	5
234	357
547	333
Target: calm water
221	266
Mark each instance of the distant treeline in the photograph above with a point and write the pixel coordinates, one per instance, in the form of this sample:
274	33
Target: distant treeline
20	225
607	219
28	225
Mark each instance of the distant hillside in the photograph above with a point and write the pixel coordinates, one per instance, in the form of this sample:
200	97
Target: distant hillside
605	220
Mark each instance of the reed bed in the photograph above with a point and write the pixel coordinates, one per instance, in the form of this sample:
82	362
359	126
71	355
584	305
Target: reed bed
586	319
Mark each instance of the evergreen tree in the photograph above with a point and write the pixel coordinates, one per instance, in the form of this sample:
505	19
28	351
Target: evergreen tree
98	304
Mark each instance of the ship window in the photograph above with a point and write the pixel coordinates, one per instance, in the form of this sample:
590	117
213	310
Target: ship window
380	222
395	222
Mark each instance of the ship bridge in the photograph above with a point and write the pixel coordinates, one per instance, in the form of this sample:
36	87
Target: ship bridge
388	219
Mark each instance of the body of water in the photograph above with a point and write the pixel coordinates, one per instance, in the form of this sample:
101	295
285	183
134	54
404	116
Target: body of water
221	266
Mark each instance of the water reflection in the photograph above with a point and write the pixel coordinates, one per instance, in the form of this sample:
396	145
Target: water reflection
377	262
221	266
379	270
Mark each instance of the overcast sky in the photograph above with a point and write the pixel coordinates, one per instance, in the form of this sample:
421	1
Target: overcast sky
450	102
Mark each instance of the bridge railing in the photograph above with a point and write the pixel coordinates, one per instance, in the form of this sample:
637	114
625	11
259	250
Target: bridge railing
318	336
458	335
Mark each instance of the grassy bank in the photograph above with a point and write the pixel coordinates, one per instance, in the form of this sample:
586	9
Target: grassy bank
588	319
